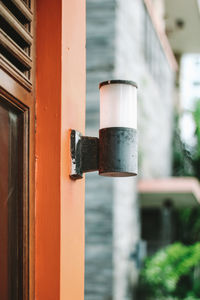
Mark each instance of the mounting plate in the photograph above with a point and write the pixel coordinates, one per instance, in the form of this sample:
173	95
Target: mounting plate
84	154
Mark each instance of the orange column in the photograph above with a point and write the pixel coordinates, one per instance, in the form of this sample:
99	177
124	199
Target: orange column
60	105
73	116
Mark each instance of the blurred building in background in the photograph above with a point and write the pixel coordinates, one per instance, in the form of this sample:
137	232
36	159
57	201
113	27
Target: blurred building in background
128	40
189	93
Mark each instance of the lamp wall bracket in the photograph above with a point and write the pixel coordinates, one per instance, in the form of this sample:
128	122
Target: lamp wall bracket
84	154
113	154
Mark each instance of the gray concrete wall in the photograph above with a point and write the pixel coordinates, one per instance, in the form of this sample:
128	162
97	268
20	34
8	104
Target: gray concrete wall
99	190
126	228
98	238
155	118
100	49
116	49
155	96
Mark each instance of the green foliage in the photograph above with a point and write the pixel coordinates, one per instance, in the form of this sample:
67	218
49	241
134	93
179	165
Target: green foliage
170	273
196	116
188	221
186	162
186	159
173	273
196	155
182	158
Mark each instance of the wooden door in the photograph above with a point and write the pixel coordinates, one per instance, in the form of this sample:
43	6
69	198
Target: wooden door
17	149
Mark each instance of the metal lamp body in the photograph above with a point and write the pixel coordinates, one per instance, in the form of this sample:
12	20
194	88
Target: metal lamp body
114	154
118	152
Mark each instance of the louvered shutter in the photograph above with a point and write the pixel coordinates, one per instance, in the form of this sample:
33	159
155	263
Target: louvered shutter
16	40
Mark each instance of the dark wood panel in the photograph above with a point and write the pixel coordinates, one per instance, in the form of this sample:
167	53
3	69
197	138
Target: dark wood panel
4	144
16	223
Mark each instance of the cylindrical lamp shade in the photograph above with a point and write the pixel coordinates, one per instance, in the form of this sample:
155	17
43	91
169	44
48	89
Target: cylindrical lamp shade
118	128
118	104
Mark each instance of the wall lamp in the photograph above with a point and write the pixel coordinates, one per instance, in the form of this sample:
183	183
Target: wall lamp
114	153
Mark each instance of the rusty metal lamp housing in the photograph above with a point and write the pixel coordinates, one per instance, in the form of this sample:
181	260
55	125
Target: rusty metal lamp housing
114	153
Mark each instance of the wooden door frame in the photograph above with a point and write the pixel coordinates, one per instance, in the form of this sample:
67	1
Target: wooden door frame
15	94
20	93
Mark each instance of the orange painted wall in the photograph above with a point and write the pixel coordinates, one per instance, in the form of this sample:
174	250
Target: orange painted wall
73	116
60	105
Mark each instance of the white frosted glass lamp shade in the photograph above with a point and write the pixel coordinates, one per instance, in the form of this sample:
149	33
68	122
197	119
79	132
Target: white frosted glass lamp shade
118	104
